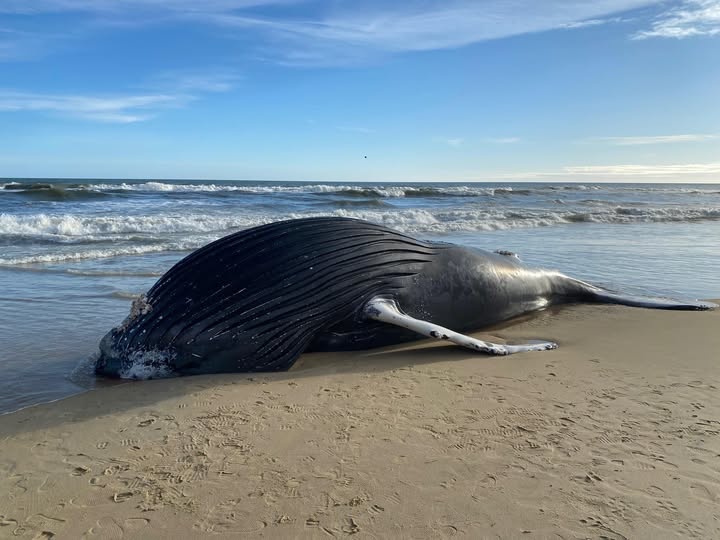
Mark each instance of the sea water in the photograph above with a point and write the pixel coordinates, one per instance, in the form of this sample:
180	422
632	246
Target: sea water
75	253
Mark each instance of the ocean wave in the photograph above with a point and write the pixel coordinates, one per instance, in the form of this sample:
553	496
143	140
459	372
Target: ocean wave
154	228
41	191
468	220
47	258
357	203
160	233
112	273
82	239
23	266
359	190
78	191
84	227
93	190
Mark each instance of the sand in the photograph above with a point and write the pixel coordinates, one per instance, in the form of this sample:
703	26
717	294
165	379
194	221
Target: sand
614	435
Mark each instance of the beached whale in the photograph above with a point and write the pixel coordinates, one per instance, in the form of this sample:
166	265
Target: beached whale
257	299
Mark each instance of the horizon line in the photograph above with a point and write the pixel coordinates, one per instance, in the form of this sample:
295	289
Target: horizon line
505	181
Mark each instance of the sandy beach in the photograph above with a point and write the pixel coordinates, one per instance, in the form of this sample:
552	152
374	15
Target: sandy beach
614	435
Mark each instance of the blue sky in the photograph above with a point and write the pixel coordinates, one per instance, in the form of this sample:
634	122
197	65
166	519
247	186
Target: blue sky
428	90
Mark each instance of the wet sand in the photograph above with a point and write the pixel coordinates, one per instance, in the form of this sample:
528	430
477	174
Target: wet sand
614	435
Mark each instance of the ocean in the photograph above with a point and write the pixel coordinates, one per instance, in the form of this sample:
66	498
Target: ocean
74	253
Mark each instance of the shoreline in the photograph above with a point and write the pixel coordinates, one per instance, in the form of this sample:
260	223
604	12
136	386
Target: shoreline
617	433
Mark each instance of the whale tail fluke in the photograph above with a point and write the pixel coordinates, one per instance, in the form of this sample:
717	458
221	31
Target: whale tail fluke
609	297
604	296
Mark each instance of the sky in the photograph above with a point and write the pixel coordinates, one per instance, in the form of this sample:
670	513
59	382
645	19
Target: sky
361	90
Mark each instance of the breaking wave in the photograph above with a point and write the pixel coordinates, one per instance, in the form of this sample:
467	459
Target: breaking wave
99	228
91	227
63	191
363	190
80	237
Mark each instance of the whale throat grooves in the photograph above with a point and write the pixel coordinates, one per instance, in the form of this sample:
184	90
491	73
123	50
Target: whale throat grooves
254	300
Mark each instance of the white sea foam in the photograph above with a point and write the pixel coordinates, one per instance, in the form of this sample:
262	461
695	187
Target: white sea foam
126	295
112	236
368	190
145	365
87	226
459	220
94	228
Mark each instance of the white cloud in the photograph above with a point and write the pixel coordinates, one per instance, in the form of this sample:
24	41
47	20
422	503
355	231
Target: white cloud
645	170
343	32
692	18
113	109
171	89
212	80
591	22
657	139
451	141
416	26
681	172
459	141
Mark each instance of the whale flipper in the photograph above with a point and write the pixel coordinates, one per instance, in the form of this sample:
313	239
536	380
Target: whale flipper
387	311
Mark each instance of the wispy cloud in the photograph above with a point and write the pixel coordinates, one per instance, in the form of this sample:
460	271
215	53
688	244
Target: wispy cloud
416	26
171	89
682	169
633	172
24	45
350	32
656	139
450	141
187	80
691	18
591	22
114	109
26	7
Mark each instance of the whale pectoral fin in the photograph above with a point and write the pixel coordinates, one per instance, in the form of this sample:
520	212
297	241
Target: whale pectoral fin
387	311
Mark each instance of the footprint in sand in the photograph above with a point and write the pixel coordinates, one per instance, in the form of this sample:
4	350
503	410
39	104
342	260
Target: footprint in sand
97	481
376	509
229	517
105	528
113	469
667	506
129	442
47	485
7	522
122	496
702	492
135	523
